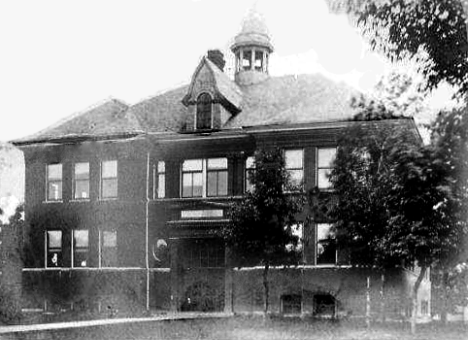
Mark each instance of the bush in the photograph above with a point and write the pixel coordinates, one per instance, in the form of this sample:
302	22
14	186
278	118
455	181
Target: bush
10	305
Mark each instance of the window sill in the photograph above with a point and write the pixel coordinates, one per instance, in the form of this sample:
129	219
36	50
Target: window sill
55	201
80	200
106	199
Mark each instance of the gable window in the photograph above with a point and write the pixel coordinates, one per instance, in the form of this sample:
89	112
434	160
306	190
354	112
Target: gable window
325	158
204	177
326	245
217	177
249	170
159	180
54	182
294	162
109	248
54	248
204	108
80	248
109	179
81	181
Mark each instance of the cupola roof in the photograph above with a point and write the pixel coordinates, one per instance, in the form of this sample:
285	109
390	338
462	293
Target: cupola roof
254	32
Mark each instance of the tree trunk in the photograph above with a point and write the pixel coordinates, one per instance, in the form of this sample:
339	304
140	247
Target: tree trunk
444	307
382	299
266	289
414	299
368	303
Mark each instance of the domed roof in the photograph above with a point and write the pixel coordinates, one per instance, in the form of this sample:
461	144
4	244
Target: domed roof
254	32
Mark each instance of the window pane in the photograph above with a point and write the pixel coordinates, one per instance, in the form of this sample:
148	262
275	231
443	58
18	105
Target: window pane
187	185
212	184
109	188
247	60
295	177
54	171
197	184
258	60
109	249
161	166
81	189
80	238
326	157
81	170
293	159
323	180
54	239
250	162
54	190
161	185
222	183
109	169
217	163
326	248
109	239
192	165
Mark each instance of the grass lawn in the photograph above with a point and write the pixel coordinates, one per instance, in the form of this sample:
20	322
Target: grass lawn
243	328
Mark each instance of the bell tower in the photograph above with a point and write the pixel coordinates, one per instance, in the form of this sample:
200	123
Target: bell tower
252	49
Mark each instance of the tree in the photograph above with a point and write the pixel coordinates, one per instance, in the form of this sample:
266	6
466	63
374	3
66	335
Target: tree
392	199
262	224
450	140
434	32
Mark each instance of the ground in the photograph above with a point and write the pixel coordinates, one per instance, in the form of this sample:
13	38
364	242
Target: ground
250	328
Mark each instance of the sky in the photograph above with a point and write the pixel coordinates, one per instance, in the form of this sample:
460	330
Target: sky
60	57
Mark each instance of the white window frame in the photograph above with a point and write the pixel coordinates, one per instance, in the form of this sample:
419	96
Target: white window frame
318	167
295	169
316	247
75	180
46	247
204	171
159	171
73	248
48	181
101	180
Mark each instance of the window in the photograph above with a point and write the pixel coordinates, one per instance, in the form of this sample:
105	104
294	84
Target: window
326	246
325	160
204	177
295	167
247	60
217	177
291	304
159	180
204	106
108	248
192	178
249	170
80	248
258	60
81	181
54	182
324	305
54	248
109	179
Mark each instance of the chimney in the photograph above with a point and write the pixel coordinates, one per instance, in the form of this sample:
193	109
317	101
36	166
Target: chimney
217	57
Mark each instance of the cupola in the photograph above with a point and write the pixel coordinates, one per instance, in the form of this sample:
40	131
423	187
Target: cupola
252	48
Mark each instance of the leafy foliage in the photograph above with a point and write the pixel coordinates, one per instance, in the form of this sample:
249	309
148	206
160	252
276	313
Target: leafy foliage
432	31
391	197
262	223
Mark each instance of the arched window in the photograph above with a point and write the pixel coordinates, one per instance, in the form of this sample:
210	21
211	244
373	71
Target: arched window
203	119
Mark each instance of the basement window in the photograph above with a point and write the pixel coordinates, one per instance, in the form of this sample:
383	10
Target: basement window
291	304
324	305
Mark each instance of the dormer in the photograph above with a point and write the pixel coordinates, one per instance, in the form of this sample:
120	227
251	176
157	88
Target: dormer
212	98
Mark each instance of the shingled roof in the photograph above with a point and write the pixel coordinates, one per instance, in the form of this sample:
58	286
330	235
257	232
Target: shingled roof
277	100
